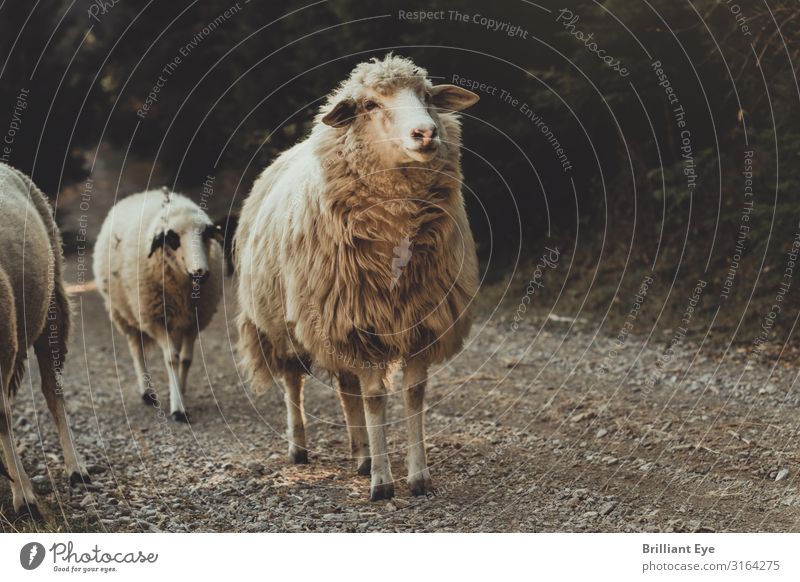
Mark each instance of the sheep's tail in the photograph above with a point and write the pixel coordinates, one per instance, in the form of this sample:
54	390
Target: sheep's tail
56	334
256	353
16	376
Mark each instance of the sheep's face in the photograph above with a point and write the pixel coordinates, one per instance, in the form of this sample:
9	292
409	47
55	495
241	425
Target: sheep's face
401	125
186	247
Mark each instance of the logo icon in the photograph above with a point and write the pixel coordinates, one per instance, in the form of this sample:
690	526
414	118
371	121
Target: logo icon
31	555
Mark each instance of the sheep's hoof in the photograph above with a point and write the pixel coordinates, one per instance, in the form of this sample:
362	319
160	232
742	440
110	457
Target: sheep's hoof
420	484
365	466
299	457
150	398
30	511
180	416
79	478
381	491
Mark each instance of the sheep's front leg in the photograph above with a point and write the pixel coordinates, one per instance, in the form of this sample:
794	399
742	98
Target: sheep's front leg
373	386
295	416
172	359
414	379
353	406
136	345
187	351
22	493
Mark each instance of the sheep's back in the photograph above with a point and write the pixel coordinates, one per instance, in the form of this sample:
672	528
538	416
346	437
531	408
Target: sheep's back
28	259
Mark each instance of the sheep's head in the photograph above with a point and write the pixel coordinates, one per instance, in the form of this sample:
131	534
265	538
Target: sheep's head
184	238
393	107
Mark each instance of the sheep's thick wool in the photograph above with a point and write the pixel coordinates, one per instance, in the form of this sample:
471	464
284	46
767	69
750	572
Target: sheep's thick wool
317	249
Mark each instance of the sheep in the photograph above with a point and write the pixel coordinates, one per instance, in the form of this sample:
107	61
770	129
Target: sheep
34	312
158	265
354	253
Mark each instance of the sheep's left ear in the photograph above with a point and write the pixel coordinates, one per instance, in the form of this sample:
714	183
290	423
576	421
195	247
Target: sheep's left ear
214	231
452	97
342	114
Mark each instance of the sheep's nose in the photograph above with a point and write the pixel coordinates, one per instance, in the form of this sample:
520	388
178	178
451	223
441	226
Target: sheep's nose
424	134
200	275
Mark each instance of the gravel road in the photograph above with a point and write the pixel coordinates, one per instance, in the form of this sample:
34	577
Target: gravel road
525	433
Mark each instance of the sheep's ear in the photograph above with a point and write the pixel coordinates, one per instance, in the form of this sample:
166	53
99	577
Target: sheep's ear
158	242
342	114
172	239
452	97
214	231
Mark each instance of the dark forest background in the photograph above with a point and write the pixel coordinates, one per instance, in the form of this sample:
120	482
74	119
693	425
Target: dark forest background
251	86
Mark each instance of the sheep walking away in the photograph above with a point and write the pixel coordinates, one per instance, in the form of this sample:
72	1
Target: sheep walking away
34	312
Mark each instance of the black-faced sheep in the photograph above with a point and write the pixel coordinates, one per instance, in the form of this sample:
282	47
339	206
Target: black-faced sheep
158	265
354	252
34	311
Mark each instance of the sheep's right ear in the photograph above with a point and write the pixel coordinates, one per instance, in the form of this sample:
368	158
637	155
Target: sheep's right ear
342	114
452	97
158	242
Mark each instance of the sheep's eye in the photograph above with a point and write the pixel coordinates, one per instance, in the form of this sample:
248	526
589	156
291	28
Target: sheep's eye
369	105
427	96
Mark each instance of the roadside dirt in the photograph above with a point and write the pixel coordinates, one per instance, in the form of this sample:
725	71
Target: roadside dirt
524	433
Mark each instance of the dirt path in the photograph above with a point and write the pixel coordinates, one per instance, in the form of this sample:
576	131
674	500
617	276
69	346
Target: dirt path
524	434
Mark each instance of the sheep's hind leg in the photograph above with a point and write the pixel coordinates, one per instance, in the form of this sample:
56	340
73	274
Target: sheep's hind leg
137	343
54	395
172	360
295	416
353	406
23	497
374	389
414	379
